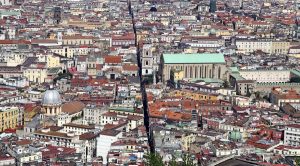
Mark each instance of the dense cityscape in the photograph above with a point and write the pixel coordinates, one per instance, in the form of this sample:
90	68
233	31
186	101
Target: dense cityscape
149	83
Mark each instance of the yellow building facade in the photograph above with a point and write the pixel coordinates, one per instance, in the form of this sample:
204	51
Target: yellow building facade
53	61
280	47
141	35
267	46
187	140
78	40
177	75
68	51
194	95
8	118
223	33
37	75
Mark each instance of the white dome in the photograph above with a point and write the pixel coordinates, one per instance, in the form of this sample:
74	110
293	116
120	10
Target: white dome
51	98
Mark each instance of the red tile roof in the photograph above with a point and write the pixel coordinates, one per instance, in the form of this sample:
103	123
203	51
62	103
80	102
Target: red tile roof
73	107
23	142
113	59
88	136
130	67
52	151
15	42
110	114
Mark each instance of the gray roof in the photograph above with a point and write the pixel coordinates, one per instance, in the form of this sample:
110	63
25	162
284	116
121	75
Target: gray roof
35	123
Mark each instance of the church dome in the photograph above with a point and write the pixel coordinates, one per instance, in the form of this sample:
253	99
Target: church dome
51	98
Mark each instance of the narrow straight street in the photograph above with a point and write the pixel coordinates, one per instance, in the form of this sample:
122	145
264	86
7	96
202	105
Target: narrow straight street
142	85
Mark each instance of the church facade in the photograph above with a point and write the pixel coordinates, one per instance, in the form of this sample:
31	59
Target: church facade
194	66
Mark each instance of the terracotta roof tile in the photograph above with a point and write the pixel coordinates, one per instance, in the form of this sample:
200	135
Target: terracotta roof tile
73	107
110	132
14	42
23	142
113	59
88	136
130	67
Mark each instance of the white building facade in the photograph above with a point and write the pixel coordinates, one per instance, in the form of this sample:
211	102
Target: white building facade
292	135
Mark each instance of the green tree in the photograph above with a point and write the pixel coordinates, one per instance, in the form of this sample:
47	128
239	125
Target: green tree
173	162
297	160
257	95
154	159
226	84
157	160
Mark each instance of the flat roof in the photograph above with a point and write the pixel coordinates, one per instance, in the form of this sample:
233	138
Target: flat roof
125	109
193	58
237	76
234	69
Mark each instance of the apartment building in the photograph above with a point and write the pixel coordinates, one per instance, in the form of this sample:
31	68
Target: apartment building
52	60
292	135
9	118
36	73
84	143
71	51
78	129
279	96
104	141
204	42
267	46
77	40
266	75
